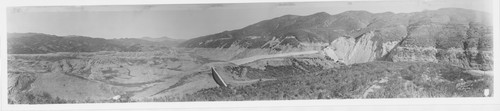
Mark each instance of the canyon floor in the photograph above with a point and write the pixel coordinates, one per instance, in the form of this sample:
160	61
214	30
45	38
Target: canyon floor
184	75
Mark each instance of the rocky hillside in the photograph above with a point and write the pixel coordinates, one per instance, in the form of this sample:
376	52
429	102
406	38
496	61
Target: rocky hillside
366	80
454	36
37	43
94	76
464	45
323	27
137	76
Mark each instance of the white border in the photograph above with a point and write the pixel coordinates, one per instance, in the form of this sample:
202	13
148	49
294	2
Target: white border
459	103
145	2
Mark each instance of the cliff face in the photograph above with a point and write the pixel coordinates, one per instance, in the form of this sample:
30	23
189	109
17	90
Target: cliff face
469	59
464	45
350	50
467	45
450	36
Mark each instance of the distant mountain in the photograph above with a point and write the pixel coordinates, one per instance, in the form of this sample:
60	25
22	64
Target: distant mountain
158	42
164	38
324	28
34	43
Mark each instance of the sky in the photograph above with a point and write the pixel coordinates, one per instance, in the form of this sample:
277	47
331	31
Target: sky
185	21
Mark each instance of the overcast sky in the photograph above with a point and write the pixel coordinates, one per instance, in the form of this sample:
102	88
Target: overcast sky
189	21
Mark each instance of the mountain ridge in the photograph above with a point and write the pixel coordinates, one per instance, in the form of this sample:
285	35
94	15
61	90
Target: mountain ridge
454	36
38	43
323	27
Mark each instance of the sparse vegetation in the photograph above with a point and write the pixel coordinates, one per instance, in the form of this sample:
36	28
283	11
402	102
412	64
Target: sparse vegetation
404	80
43	98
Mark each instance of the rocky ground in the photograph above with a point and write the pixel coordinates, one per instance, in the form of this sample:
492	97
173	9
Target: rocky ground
182	75
133	76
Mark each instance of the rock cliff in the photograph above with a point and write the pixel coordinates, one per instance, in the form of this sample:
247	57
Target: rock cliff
357	50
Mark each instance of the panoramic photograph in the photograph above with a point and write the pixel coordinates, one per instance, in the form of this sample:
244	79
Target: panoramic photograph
329	50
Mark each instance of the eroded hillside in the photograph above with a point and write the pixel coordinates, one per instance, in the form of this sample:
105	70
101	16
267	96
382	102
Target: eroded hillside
453	36
136	76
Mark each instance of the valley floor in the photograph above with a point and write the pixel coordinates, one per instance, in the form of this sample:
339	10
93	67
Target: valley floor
182	76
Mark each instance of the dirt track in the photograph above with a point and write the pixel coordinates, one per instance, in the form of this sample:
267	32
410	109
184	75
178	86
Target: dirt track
253	58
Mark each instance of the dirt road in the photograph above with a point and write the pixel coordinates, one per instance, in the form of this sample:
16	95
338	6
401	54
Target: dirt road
253	58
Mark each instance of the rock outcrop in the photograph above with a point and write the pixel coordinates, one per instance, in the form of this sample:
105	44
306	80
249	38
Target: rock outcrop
416	54
469	59
363	49
467	44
